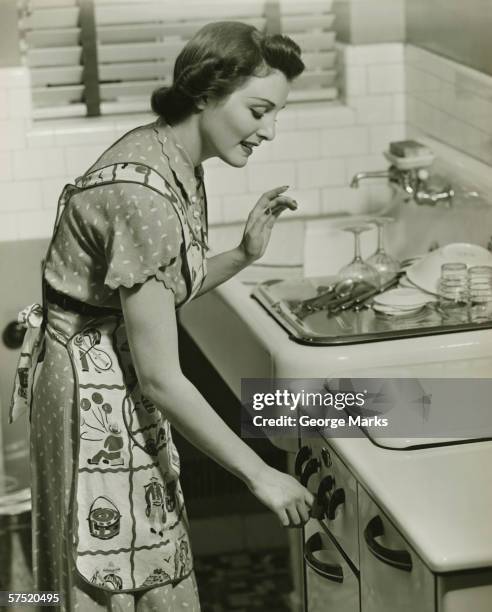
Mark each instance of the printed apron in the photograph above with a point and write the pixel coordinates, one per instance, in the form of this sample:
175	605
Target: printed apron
129	523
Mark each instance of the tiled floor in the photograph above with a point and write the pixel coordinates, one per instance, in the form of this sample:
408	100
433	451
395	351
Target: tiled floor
254	581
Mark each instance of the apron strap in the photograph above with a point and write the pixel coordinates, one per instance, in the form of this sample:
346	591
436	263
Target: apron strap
131	172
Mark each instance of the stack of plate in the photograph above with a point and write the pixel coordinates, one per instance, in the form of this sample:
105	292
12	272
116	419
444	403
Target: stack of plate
402	301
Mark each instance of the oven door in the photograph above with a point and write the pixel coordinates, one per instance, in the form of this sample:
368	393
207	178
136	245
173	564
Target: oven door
329	581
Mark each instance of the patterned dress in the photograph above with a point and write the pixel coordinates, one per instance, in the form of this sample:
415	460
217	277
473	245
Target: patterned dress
109	525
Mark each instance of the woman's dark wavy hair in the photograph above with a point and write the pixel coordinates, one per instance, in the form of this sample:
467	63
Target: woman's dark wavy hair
219	58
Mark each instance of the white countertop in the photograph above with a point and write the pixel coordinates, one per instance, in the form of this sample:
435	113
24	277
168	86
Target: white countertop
440	498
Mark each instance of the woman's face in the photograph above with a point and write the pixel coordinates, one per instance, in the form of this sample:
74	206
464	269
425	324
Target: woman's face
231	128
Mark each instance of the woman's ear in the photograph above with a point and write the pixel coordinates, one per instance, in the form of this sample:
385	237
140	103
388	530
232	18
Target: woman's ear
201	103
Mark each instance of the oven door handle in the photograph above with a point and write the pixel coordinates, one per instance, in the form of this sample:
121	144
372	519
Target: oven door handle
400	559
330	571
312	466
336	500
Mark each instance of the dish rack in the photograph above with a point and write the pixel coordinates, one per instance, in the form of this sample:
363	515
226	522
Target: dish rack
281	300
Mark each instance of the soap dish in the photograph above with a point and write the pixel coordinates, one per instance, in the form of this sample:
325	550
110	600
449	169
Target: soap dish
410	163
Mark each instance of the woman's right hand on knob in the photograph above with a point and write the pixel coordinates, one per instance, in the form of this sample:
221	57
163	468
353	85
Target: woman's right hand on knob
283	495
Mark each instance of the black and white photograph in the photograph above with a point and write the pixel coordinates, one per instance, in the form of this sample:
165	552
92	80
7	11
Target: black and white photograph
246	305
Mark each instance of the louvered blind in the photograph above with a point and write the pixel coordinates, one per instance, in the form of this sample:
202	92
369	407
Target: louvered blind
111	54
51	41
310	24
138	43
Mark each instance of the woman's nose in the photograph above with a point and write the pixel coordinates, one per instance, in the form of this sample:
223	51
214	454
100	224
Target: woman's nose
267	130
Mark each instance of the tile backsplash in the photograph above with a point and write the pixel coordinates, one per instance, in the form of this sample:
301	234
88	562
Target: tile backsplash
318	147
450	102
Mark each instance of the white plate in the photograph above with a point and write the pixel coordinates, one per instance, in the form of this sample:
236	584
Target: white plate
426	272
403	298
397	312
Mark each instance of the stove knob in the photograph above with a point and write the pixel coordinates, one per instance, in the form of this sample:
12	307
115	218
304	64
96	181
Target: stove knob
325	455
320	506
303	454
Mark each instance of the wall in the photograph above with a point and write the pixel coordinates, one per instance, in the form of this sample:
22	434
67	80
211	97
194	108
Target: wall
450	102
453	28
369	21
318	148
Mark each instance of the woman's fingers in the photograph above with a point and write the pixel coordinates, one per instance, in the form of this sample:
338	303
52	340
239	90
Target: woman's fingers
297	511
273	193
283	517
282	204
303	511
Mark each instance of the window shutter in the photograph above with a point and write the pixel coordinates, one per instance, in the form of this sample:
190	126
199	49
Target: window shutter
139	41
51	39
310	24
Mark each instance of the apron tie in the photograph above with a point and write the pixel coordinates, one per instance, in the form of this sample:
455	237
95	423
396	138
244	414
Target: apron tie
31	318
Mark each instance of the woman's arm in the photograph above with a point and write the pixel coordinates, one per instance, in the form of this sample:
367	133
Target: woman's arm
254	242
222	267
150	319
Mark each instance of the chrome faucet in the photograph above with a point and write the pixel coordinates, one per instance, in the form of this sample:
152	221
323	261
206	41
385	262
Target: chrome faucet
414	183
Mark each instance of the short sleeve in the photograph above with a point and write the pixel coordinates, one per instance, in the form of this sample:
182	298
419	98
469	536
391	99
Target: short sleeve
143	236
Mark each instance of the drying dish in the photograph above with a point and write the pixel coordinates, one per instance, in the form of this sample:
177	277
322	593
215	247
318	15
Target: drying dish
401	301
397	312
425	273
403	298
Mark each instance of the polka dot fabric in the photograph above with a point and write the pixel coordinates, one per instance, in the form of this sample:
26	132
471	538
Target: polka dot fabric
123	233
116	235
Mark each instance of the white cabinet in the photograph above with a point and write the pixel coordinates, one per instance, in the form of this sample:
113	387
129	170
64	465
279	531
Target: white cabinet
392	577
330	582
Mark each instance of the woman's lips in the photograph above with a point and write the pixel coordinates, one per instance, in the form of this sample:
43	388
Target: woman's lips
247	147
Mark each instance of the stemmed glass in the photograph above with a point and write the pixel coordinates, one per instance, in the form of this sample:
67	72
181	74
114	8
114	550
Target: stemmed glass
386	265
358	270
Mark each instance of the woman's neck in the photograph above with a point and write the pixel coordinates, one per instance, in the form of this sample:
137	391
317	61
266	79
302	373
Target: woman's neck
188	135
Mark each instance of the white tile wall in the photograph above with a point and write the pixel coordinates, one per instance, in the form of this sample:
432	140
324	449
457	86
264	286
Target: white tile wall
449	102
21	195
222	179
35	224
4	106
263	177
317	149
372	109
13	133
381	135
345	141
286	143
5	166
386	78
38	163
321	173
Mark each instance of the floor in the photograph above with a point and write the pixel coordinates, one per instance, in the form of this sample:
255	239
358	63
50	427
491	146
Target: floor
246	581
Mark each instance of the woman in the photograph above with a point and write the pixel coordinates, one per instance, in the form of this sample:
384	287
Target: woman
110	529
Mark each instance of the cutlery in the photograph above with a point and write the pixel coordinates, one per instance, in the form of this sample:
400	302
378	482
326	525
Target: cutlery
361	299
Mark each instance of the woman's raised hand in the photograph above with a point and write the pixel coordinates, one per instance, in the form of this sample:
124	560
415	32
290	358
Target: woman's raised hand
261	220
283	495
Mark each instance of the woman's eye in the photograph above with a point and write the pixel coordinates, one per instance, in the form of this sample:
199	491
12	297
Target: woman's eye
256	114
